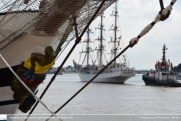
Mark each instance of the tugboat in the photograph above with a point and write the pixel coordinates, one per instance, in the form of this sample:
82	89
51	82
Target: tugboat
163	75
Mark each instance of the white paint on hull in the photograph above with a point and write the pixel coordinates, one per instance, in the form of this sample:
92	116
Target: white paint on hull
22	48
115	77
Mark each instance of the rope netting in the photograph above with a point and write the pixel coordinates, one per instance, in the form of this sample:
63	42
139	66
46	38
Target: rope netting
46	17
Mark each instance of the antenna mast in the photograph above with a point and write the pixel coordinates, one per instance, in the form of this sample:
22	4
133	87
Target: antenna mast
101	40
88	48
115	32
163	58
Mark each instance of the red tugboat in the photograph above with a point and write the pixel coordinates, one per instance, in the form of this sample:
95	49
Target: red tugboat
162	76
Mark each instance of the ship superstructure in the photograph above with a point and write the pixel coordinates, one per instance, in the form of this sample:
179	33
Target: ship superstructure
163	75
29	26
116	72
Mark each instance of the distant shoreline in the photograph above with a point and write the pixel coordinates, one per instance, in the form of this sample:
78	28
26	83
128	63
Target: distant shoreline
69	73
65	73
76	73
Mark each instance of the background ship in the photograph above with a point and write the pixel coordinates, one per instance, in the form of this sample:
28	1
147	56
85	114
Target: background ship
117	72
163	75
28	27
21	33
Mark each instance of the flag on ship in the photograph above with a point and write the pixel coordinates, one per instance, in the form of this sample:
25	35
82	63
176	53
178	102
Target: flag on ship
120	37
33	79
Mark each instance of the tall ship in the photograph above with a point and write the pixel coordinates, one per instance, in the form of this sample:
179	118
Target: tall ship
33	33
117	72
163	75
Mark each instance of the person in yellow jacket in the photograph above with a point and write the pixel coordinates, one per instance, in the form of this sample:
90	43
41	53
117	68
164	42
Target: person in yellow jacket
32	72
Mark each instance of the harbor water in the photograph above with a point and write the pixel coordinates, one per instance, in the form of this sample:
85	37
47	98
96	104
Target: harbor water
133	97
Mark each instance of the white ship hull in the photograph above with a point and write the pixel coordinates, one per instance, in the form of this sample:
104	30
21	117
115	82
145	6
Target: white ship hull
19	30
15	53
18	51
21	49
115	77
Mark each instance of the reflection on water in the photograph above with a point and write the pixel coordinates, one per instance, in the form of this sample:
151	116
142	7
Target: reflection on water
133	97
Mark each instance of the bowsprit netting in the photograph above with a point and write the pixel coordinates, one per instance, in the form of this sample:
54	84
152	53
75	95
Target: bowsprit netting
46	17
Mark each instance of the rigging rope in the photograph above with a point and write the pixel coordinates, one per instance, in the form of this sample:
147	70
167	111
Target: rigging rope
64	47
80	57
84	58
163	15
105	57
91	59
26	86
95	59
34	18
76	42
91	80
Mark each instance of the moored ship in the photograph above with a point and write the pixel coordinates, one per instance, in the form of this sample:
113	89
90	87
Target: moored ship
29	27
163	75
117	72
111	75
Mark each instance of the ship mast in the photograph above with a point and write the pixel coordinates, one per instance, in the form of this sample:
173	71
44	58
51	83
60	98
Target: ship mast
88	49
101	48
115	32
163	58
101	39
88	41
115	49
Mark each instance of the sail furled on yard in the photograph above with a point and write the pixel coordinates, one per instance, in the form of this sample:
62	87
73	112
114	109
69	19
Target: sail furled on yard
46	17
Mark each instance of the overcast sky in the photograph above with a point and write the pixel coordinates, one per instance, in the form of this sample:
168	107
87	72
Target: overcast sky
134	15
